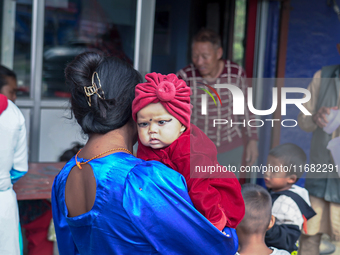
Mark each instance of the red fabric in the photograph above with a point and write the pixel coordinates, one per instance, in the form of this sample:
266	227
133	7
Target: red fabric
171	92
251	30
218	199
36	235
304	225
3	103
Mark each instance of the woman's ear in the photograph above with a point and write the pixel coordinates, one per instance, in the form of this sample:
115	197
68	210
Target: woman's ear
271	223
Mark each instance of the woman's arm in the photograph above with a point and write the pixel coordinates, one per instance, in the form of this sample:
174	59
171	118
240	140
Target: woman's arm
306	122
157	202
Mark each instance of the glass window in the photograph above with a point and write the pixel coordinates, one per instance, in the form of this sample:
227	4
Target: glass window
1	21
76	26
22	46
239	31
16	44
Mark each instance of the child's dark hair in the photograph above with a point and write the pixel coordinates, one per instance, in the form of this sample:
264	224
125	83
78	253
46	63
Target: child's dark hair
4	73
118	80
258	205
291	156
68	154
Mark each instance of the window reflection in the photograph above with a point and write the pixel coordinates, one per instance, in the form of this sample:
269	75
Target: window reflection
76	26
239	32
22	46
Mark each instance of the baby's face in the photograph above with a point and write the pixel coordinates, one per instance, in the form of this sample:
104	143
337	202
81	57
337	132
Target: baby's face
157	128
275	178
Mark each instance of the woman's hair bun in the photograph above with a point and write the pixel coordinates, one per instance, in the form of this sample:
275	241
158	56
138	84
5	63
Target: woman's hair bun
117	80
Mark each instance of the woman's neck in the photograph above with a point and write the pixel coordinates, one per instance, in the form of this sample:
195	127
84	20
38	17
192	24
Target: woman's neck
98	143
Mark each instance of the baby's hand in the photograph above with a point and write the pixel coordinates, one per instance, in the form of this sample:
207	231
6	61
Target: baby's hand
225	234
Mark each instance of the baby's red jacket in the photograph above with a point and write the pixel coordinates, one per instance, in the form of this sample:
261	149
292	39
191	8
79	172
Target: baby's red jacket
218	199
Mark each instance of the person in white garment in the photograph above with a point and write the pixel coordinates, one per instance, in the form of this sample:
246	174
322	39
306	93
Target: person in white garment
13	165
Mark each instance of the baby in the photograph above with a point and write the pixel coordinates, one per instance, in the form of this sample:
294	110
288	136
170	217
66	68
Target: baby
162	111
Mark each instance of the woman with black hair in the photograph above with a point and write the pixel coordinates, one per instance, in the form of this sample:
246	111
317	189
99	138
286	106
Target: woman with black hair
106	201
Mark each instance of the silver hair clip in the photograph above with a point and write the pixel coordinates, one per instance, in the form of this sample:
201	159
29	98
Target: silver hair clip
91	90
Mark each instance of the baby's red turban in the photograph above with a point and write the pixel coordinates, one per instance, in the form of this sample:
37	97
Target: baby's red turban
171	92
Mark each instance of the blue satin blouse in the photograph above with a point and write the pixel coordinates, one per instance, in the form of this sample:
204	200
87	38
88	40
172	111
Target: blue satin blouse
141	207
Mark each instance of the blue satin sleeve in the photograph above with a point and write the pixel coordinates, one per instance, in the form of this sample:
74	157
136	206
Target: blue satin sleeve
65	241
157	202
16	175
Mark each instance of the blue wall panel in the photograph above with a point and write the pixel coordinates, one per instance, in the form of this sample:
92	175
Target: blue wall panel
314	31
